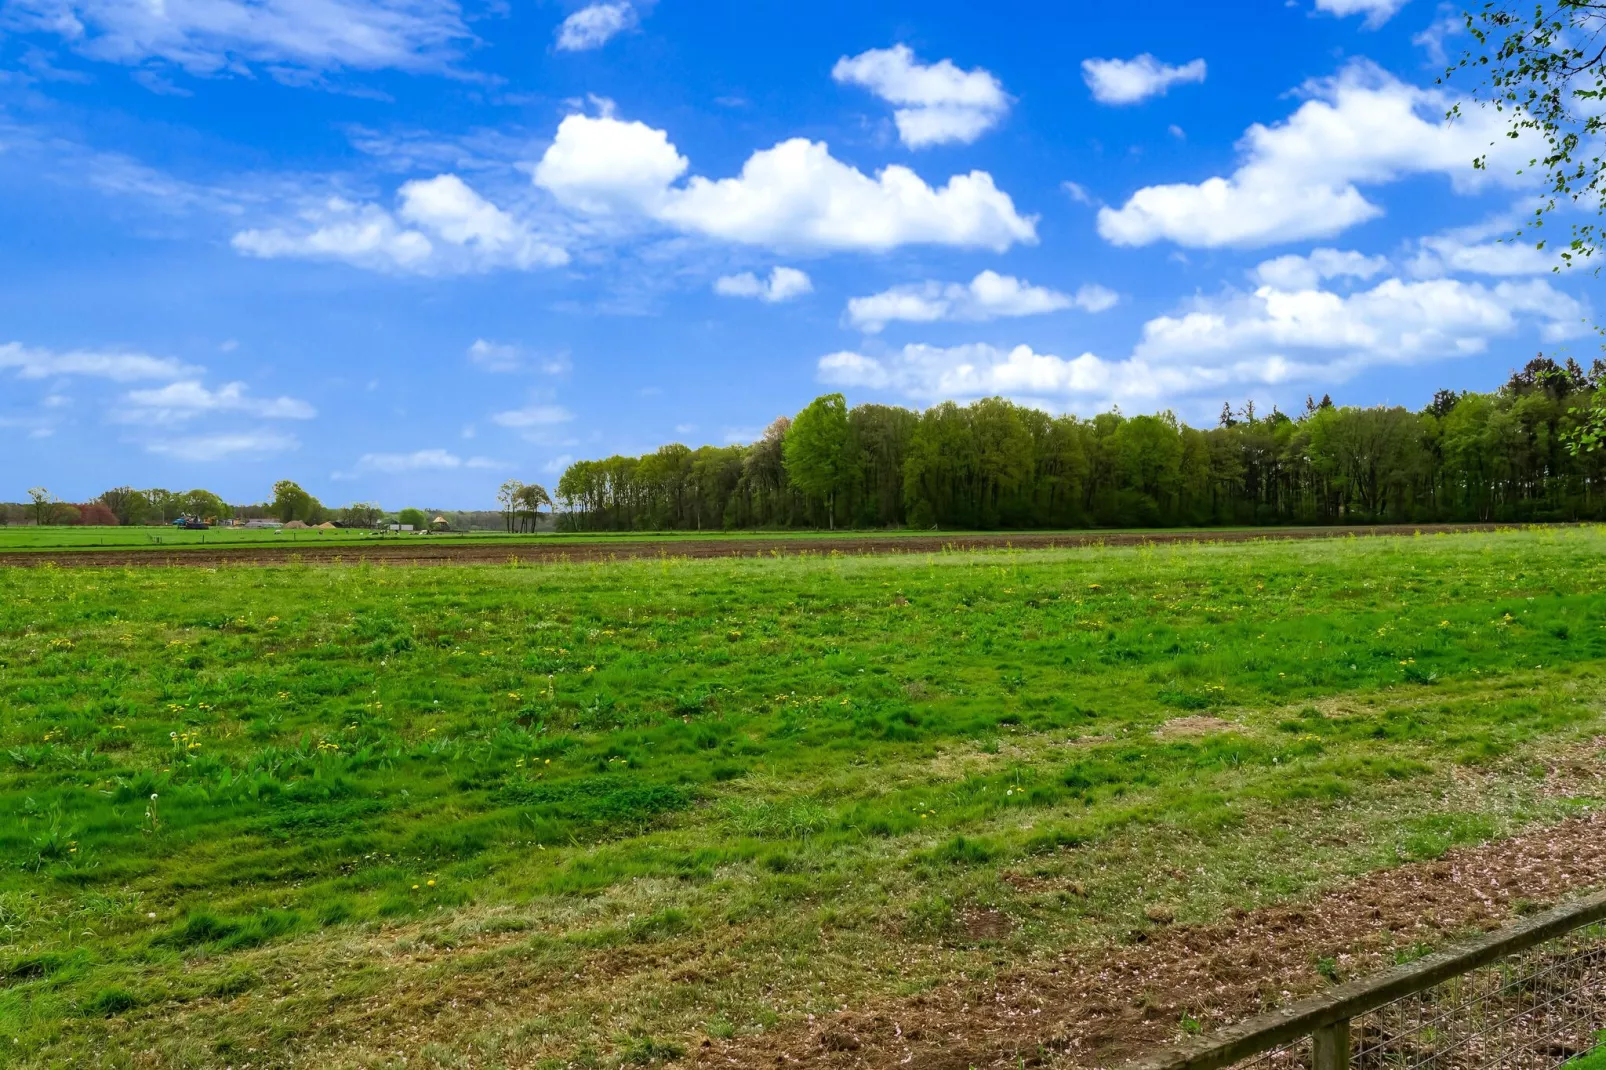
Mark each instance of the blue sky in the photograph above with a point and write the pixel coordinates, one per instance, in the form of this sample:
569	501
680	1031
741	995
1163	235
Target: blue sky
403	250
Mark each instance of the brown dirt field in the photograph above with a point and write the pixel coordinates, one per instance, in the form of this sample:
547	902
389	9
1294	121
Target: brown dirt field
445	553
1097	1009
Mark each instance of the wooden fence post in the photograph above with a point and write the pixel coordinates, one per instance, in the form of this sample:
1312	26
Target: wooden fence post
1330	1047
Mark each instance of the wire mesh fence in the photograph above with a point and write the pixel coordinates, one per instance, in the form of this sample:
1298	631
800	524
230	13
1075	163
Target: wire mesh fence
1532	997
1533	1011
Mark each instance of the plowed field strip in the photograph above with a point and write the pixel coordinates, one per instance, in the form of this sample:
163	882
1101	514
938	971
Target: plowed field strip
422	552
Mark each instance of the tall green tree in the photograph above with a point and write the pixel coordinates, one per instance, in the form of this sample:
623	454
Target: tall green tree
529	500
42	505
877	446
815	449
164	504
507	496
767	491
128	505
360	515
940	469
204	505
290	502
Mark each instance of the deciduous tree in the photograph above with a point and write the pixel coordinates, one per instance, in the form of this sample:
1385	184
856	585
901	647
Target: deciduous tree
814	450
97	514
528	501
41	505
507	496
130	506
164	504
361	515
290	502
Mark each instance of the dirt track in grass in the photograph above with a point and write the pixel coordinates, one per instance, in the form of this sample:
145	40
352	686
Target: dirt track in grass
1099	1009
422	551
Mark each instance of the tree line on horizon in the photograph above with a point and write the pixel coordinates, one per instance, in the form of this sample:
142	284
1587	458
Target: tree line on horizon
126	506
1533	450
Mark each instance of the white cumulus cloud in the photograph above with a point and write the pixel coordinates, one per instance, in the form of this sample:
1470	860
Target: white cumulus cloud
505	357
1270	337
495	356
603	165
33	362
362	234
1484	248
1377	12
794	195
934	103
1301	178
1394	322
429	460
987	296
594	26
1295	272
932	373
440	226
1128	81
533	416
446	206
188	398
1447	254
209	37
784	284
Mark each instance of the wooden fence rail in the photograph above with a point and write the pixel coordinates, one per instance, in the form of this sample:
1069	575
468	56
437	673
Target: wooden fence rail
1326	1018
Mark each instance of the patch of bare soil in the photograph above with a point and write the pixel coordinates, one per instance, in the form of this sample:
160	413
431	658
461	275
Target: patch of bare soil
1098	1008
977	925
1185	727
443	552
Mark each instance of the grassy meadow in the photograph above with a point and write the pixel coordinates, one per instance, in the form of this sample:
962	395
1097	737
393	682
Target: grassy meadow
585	815
151	537
139	537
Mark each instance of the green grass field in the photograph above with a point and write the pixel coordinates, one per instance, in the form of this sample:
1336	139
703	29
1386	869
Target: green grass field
142	537
586	814
115	538
164	538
